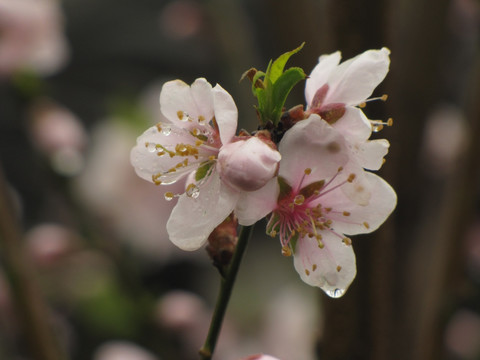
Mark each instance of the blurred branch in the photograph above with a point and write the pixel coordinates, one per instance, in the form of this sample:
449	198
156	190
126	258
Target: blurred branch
31	309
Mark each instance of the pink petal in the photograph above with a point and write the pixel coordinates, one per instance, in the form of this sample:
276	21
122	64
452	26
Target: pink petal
354	80
202	94
320	74
255	205
192	220
312	144
361	219
225	113
331	268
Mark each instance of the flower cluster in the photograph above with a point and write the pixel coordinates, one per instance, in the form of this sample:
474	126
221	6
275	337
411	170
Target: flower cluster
304	169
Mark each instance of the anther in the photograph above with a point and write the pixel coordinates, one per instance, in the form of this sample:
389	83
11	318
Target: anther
180	114
321	245
347	241
307	272
314	267
346	213
273	233
299	200
286	251
339	268
308	171
351	177
169	195
366	224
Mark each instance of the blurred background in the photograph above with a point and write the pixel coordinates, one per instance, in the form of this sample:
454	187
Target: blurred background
90	260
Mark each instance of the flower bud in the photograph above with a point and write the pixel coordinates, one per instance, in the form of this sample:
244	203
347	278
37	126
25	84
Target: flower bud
247	165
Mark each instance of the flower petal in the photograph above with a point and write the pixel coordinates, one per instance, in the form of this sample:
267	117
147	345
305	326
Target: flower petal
146	159
320	74
192	220
226	114
331	268
255	205
370	154
180	102
354	80
354	125
312	144
350	218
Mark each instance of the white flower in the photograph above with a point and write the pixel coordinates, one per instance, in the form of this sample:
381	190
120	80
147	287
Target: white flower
311	204
334	91
198	131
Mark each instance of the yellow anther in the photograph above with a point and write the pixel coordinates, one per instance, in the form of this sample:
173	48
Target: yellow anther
273	233
340	169
339	268
362	105
299	200
328	209
384	97
172	170
314	267
347	241
321	245
286	251
201	119
318	237
169	195
180	114
199	143
155	178
159	127
390	122
308	171
366	224
307	272
211	157
346	213
147	144
351	177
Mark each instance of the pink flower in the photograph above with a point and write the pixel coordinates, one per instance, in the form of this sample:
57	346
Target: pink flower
334	91
31	36
260	357
320	196
197	140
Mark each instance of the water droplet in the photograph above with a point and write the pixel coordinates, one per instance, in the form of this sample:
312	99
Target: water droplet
335	293
166	130
169	196
151	147
192	191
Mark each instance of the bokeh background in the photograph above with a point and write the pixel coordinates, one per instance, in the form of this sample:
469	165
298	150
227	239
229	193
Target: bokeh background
90	262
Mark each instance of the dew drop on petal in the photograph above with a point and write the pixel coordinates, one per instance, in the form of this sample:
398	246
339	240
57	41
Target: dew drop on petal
335	293
192	191
151	147
166	130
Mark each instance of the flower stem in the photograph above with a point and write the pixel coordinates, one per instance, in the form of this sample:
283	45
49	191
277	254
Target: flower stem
226	287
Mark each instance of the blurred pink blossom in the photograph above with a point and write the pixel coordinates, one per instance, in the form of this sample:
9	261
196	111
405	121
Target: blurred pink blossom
31	36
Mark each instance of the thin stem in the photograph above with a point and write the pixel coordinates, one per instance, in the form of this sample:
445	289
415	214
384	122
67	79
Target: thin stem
226	287
31	309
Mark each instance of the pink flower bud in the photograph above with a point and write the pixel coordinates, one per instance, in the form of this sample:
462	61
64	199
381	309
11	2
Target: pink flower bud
247	165
260	357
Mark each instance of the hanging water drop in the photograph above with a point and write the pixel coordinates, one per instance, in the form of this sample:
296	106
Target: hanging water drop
169	195
335	293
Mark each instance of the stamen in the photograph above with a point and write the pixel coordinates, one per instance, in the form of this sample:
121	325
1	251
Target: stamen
169	195
384	97
180	114
308	171
286	251
339	268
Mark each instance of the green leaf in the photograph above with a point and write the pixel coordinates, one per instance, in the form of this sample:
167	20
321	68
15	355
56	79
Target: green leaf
275	70
282	88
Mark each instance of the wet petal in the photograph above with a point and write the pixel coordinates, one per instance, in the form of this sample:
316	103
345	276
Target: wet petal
320	74
331	268
255	205
202	94
225	113
147	158
193	219
350	218
312	144
354	80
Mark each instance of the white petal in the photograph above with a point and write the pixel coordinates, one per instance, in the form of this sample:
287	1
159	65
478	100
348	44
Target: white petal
192	220
354	80
331	268
179	101
354	125
370	154
255	205
362	219
146	161
313	144
320	74
225	113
